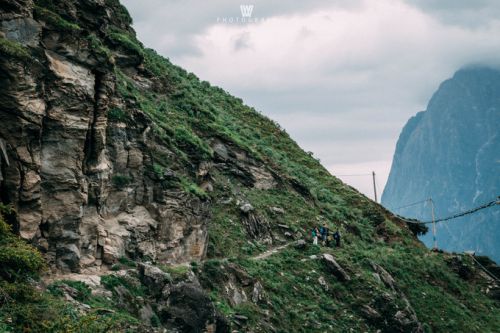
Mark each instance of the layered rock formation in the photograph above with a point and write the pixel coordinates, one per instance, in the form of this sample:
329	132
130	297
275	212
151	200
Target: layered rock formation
450	152
79	182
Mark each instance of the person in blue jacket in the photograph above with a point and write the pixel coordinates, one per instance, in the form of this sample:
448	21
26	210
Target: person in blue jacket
324	234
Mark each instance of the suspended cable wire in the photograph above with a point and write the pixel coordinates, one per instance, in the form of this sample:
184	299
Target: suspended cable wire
470	211
412	204
467	212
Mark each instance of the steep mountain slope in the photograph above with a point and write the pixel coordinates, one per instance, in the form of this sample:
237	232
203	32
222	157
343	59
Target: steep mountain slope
148	194
451	153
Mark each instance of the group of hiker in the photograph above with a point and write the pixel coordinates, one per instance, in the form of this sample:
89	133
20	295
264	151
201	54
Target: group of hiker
325	235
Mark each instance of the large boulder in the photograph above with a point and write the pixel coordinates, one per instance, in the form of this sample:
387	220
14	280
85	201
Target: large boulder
153	278
335	268
399	318
189	309
301	244
370	313
384	276
257	292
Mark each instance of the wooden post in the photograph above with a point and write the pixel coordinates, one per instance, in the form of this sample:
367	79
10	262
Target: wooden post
374	186
433	224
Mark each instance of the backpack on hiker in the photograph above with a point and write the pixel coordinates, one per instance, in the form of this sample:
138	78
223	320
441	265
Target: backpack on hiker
336	237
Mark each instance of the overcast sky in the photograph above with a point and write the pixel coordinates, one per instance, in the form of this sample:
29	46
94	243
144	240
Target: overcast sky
341	76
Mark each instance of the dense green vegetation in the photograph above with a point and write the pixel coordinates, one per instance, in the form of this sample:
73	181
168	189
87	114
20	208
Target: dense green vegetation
18	260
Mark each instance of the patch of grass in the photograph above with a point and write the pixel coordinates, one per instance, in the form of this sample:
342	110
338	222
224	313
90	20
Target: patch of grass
226	234
158	65
158	169
55	20
83	291
186	138
127	262
123	263
111	281
99	49
117	114
196	190
177	273
14	50
125	40
190	187
121	181
116	267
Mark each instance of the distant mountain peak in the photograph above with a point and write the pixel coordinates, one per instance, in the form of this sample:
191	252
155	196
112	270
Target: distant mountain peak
450	152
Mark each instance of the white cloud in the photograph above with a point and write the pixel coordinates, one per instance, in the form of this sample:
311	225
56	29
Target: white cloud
345	49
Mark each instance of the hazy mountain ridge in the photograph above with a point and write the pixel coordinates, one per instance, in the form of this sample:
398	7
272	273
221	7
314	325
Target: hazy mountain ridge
450	152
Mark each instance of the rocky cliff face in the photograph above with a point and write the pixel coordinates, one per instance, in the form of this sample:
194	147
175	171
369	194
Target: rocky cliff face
80	181
450	152
161	203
